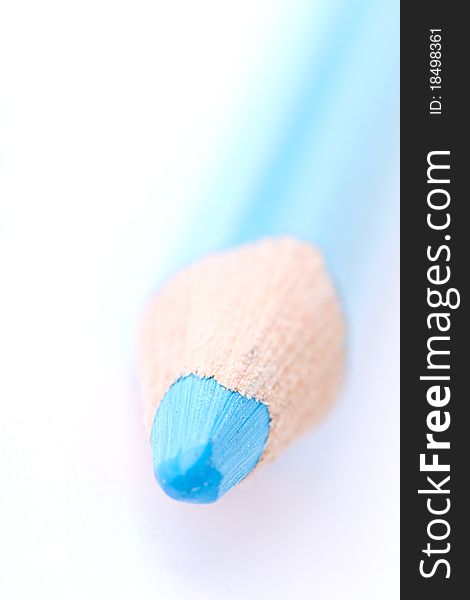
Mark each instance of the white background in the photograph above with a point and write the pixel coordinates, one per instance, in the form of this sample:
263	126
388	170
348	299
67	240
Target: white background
109	115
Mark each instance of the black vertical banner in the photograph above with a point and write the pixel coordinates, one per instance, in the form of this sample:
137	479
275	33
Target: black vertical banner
435	337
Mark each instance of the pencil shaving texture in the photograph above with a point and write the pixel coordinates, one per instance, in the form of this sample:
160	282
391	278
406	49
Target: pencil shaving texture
263	320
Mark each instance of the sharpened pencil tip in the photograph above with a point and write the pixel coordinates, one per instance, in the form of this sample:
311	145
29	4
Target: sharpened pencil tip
190	476
205	439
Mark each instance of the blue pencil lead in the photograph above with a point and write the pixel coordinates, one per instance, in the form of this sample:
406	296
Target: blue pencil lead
205	439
